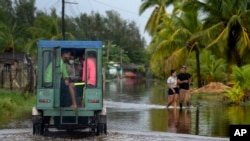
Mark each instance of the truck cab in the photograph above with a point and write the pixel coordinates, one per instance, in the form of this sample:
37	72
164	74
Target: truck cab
54	98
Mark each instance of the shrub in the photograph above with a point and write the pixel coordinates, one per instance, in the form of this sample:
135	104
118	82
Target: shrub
13	104
235	94
241	75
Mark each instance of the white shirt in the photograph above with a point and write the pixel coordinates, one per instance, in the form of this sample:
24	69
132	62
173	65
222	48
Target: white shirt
172	81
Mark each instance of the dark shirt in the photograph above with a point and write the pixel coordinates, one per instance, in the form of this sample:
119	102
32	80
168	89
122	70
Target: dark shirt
184	76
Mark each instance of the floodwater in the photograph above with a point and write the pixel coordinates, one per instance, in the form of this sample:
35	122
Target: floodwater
139	106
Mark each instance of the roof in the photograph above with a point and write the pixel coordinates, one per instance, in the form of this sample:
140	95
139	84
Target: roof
69	44
130	66
11	57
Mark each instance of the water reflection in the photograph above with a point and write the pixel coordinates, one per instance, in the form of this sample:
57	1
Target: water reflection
172	120
140	105
184	121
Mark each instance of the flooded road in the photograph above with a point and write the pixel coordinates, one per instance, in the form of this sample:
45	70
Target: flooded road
135	105
136	111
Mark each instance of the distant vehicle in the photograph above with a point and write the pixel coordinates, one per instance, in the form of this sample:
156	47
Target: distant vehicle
130	75
113	71
53	102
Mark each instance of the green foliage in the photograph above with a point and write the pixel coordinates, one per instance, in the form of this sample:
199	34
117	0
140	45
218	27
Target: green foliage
141	69
159	13
22	25
168	48
14	104
241	76
45	27
235	94
25	12
114	53
9	40
6	12
110	28
225	29
6	107
156	16
212	69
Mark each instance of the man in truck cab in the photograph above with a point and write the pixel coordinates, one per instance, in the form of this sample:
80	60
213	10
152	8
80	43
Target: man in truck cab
64	76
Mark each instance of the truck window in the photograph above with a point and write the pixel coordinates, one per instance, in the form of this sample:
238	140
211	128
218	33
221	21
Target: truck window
47	69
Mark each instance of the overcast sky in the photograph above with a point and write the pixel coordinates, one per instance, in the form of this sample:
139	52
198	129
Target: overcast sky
128	9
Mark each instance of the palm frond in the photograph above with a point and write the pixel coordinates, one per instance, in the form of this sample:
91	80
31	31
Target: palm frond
147	4
243	43
211	36
176	59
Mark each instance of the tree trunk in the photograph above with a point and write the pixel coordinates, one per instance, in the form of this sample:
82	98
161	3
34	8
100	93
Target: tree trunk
197	56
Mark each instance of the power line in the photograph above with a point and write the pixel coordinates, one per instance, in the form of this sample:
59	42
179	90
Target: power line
49	3
120	9
90	5
126	11
72	10
71	2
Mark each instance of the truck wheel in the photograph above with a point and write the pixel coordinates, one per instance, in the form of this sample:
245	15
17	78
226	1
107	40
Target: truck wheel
38	129
105	129
101	128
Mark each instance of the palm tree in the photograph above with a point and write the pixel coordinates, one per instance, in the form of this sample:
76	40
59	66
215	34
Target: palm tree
9	42
213	69
158	13
176	40
169	48
226	27
45	27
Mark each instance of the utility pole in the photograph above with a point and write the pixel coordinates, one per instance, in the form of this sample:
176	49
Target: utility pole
63	14
109	45
121	55
63	21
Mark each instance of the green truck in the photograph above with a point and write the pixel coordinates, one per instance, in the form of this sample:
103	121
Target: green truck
54	98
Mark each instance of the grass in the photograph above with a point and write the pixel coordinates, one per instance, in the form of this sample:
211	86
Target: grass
13	104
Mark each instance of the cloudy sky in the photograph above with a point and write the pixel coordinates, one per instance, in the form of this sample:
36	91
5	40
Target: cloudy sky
128	9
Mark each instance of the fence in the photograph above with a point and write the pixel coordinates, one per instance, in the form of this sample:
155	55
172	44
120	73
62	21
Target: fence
17	71
17	77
